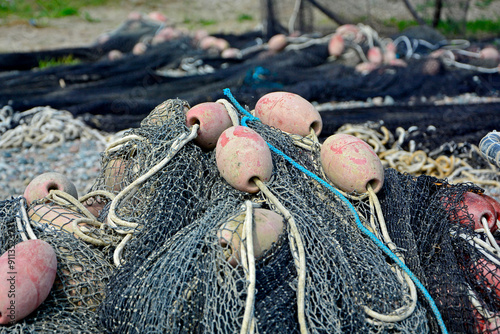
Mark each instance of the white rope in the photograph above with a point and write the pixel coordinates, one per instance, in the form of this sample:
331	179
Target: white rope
231	110
182	140
247	253
43	127
297	247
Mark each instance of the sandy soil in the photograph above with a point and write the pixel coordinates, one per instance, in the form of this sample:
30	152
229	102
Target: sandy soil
19	35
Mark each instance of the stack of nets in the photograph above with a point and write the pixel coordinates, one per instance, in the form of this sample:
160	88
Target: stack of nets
345	263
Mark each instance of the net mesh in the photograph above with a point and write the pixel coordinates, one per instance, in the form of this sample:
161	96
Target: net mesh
162	265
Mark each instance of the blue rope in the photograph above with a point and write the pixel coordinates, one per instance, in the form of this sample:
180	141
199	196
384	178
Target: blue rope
384	248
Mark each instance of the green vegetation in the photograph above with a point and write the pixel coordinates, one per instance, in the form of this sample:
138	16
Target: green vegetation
245	17
52	62
28	9
450	28
204	22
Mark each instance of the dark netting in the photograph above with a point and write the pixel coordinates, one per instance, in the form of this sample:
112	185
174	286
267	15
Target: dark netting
167	249
191	288
82	274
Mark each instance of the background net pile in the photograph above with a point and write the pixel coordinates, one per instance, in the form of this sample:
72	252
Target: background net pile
164	267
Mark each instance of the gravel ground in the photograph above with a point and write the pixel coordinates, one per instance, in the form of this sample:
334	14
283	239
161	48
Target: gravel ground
79	160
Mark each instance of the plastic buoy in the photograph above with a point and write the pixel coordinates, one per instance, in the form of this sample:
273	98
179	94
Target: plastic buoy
213	120
41	185
267	227
375	55
241	155
27	273
336	45
496	207
351	164
60	218
277	43
489	274
289	112
478	208
489	52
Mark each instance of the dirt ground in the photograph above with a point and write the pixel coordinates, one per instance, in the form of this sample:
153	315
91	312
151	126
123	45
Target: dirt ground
18	35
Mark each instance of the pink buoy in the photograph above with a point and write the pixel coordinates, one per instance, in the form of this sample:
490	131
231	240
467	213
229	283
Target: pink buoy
351	164
277	43
365	68
231	53
139	49
336	45
289	112
213	119
390	52
489	52
478	208
27	273
267	227
375	55
496	207
241	155
41	185
55	216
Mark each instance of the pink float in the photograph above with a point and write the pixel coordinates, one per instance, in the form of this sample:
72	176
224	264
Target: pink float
277	43
212	118
41	185
351	164
478	208
241	155
336	45
267	227
60	218
289	112
375	55
27	273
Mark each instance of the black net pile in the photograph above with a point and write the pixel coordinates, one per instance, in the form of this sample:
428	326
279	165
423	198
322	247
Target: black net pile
176	277
172	226
113	95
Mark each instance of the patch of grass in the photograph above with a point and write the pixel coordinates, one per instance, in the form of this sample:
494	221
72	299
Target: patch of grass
204	22
400	25
27	9
245	17
449	27
52	62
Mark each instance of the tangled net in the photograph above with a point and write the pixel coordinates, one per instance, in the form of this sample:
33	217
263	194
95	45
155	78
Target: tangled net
158	253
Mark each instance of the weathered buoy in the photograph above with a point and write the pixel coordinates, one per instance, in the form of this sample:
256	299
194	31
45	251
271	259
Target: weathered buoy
213	119
489	52
277	43
114	174
489	325
289	112
241	155
496	207
267	227
336	45
231	53
489	274
56	216
41	185
27	273
478	208
139	48
351	164
375	55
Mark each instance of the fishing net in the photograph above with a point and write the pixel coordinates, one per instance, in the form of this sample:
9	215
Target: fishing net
162	243
82	271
